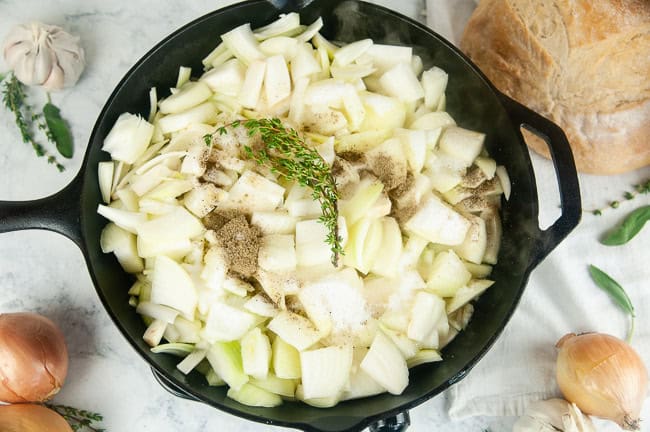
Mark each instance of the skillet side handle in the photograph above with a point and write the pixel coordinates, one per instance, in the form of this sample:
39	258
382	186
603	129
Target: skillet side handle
286	6
171	387
60	212
565	172
399	423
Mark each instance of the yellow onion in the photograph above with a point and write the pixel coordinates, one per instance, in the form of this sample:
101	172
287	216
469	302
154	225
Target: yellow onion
31	418
33	358
603	376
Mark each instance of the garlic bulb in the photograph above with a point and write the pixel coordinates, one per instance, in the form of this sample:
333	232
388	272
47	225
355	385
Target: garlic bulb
46	55
553	415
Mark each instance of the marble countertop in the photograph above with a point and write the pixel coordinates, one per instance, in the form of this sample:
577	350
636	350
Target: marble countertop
44	272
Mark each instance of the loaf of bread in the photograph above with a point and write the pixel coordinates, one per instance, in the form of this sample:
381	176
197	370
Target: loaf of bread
585	64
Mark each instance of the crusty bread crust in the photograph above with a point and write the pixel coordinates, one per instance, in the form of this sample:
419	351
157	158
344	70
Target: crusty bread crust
584	64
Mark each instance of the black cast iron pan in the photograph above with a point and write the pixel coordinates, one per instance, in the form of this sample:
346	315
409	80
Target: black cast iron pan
471	100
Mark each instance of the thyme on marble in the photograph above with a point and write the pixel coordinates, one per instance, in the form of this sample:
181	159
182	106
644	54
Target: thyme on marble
78	419
285	153
26	118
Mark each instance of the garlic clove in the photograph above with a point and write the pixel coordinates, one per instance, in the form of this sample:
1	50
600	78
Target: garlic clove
582	421
24	69
42	67
553	415
72	65
19	34
56	80
14	53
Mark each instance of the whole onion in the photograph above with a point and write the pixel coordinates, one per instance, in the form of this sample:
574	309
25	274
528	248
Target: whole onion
603	376
31	418
33	358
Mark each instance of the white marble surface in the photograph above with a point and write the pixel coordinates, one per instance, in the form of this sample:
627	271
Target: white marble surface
44	272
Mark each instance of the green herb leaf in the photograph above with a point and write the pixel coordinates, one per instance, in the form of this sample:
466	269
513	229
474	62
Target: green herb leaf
615	291
613	288
59	131
629	228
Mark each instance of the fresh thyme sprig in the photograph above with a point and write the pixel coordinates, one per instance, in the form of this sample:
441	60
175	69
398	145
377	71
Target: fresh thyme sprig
15	100
78	419
286	154
638	189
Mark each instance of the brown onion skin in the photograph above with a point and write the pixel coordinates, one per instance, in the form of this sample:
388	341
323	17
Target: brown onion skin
33	358
31	418
603	376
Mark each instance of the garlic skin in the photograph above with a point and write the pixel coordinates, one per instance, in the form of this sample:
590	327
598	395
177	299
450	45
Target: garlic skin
45	55
553	415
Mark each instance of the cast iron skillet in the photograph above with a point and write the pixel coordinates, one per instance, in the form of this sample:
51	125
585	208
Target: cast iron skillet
471	100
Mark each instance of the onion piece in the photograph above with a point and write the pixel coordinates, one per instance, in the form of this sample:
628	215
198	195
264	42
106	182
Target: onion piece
242	43
31	418
128	138
34	358
285	25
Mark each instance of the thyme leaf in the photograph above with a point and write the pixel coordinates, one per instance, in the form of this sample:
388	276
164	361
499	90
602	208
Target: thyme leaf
78	419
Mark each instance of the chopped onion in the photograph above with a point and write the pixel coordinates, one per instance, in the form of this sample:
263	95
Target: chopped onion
128	138
105	172
242	43
286	24
311	30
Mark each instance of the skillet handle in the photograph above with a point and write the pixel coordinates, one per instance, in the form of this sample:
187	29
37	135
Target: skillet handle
60	212
172	388
399	423
565	172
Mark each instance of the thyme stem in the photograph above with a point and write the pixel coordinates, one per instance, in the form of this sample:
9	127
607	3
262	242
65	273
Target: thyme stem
78	419
286	154
637	189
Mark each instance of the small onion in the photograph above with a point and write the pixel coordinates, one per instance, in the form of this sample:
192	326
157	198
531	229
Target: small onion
33	358
31	418
603	376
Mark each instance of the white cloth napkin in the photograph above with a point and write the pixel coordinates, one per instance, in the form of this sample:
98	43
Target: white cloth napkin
560	296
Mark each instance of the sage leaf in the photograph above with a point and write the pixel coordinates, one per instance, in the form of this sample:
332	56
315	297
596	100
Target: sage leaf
59	131
616	292
611	287
629	228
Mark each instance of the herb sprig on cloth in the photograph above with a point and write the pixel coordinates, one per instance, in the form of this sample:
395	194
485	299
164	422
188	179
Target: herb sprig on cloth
629	228
285	153
616	292
638	189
